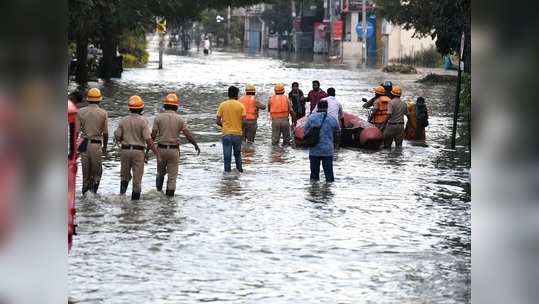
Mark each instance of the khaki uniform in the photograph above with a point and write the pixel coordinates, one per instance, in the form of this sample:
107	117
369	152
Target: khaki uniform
168	125
132	133
249	130
93	124
280	126
395	125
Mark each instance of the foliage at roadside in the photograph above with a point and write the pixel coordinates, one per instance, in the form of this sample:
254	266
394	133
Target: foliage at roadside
132	46
426	58
466	93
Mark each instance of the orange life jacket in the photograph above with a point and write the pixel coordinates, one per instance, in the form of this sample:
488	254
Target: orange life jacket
279	106
381	113
249	103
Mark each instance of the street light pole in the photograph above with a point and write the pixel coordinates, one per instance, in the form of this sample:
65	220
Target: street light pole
364	25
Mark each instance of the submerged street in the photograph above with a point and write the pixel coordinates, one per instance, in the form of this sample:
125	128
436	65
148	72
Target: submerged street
394	227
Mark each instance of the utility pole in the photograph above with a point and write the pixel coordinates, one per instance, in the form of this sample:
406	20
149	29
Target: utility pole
364	25
457	97
228	35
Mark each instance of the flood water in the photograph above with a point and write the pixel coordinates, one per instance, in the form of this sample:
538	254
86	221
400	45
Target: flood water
393	228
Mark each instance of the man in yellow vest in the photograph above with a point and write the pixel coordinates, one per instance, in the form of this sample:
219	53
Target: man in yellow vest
280	108
251	109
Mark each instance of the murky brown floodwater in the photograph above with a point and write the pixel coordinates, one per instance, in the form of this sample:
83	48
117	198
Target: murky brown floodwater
393	228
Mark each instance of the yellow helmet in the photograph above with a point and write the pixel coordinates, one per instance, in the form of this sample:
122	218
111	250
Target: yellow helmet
379	90
279	88
250	88
171	99
135	102
94	94
396	91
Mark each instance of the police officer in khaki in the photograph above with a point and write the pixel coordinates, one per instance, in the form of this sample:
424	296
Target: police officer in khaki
133	133
397	109
94	132
166	130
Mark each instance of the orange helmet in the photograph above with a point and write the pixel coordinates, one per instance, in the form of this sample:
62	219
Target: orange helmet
279	88
135	102
171	99
94	94
396	91
379	90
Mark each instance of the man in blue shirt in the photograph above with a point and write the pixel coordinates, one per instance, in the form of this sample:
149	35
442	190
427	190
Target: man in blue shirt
323	151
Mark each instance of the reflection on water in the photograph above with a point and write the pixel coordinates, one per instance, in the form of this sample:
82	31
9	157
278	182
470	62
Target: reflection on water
393	228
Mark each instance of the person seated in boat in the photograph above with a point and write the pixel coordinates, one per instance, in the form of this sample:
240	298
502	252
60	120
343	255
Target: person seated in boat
380	113
334	107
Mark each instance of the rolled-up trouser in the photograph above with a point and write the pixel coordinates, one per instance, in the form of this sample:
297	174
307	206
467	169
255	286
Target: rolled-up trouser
280	126
393	132
249	130
132	161
91	165
170	159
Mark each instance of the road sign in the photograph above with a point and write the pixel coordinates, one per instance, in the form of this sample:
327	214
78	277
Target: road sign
161	26
370	29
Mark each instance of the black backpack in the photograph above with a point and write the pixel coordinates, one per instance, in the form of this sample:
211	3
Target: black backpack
312	138
421	115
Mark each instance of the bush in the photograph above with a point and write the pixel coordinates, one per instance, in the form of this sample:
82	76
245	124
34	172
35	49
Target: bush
426	58
466	93
132	46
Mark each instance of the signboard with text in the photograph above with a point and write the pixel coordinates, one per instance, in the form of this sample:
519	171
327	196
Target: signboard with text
338	26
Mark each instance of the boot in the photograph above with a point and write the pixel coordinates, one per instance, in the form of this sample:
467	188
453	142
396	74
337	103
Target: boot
135	196
95	187
159	180
170	193
123	187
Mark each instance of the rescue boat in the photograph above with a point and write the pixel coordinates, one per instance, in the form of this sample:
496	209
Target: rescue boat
73	134
356	133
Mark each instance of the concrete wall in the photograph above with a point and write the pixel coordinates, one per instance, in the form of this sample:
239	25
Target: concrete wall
401	43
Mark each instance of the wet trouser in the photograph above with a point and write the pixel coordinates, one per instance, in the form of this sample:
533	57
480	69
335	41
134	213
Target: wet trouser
393	132
91	165
170	159
249	130
232	142
327	165
132	161
280	126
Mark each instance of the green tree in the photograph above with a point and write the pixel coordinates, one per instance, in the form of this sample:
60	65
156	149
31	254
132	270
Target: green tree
443	20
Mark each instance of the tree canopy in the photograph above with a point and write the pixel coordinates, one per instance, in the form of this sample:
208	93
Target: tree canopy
442	20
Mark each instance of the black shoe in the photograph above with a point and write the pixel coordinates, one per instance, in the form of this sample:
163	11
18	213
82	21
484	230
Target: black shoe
135	196
159	180
170	193
95	187
123	187
84	190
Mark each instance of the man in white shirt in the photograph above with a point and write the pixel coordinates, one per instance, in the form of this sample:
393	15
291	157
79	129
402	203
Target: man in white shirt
334	106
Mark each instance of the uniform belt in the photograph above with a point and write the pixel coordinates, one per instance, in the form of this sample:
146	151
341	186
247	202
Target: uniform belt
395	123
168	146
131	147
95	141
